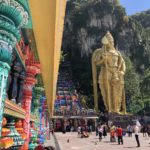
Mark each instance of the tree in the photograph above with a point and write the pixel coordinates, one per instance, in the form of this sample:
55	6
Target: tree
145	84
132	80
136	105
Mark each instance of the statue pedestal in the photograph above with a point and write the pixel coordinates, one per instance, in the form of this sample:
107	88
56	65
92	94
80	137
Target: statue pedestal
122	120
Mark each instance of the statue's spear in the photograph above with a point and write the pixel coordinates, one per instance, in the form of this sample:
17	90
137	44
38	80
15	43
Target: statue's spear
105	42
94	73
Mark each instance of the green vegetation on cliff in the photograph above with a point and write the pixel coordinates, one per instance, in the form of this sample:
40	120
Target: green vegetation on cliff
85	24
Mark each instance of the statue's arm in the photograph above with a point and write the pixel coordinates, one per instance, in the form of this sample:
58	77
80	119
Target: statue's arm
99	62
122	66
98	59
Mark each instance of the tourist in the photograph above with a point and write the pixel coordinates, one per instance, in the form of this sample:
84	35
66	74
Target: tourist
129	130
100	133
144	130
72	129
148	130
90	129
97	131
104	131
119	132
112	134
84	134
79	130
136	131
52	131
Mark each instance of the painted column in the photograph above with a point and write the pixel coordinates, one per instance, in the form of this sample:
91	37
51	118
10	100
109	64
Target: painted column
36	99
12	17
21	83
41	119
38	90
32	69
8	83
17	71
4	71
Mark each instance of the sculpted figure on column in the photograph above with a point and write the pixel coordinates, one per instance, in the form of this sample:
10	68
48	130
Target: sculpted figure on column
111	76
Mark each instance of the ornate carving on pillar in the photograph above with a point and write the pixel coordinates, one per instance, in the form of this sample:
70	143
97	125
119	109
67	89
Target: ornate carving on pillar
36	99
17	70
16	12
41	112
21	83
8	83
13	15
4	70
5	58
32	69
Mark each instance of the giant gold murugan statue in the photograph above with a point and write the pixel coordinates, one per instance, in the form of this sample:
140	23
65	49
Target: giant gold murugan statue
111	76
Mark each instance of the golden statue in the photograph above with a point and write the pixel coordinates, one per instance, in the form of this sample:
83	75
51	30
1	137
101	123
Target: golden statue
111	77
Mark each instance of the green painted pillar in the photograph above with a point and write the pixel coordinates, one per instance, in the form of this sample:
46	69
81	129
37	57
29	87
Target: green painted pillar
38	90
4	71
13	16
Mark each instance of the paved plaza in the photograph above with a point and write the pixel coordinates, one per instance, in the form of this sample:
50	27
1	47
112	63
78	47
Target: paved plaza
92	143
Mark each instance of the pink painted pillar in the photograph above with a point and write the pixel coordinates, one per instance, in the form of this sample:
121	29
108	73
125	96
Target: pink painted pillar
32	68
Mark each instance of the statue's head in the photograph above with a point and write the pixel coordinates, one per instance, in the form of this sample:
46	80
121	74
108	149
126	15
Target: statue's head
109	37
110	40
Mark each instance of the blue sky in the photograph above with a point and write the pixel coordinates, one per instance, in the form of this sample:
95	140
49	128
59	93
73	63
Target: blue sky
134	6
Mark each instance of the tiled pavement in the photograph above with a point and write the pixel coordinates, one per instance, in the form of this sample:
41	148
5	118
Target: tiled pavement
92	143
52	142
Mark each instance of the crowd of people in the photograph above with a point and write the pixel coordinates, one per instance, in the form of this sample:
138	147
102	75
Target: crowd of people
146	130
117	132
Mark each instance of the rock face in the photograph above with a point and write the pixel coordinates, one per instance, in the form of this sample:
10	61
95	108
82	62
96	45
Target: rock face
143	18
86	23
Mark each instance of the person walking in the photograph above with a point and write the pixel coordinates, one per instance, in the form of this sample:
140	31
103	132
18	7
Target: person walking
119	132
100	133
136	131
112	134
79	130
129	130
104	131
97	131
144	130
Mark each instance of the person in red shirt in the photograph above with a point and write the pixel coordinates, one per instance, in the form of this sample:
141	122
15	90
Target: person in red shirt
119	132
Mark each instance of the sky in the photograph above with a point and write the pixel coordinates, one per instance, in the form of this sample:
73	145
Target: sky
134	6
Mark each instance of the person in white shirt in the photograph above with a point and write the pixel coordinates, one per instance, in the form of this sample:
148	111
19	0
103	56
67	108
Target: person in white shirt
79	130
100	132
136	131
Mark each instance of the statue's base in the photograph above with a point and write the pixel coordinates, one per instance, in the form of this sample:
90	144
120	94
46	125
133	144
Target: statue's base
122	120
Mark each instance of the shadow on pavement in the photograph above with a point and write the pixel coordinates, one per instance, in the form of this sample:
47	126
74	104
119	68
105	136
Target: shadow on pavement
115	144
106	142
131	147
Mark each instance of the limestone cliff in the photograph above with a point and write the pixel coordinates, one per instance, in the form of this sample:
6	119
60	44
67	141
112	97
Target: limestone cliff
85	24
143	18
